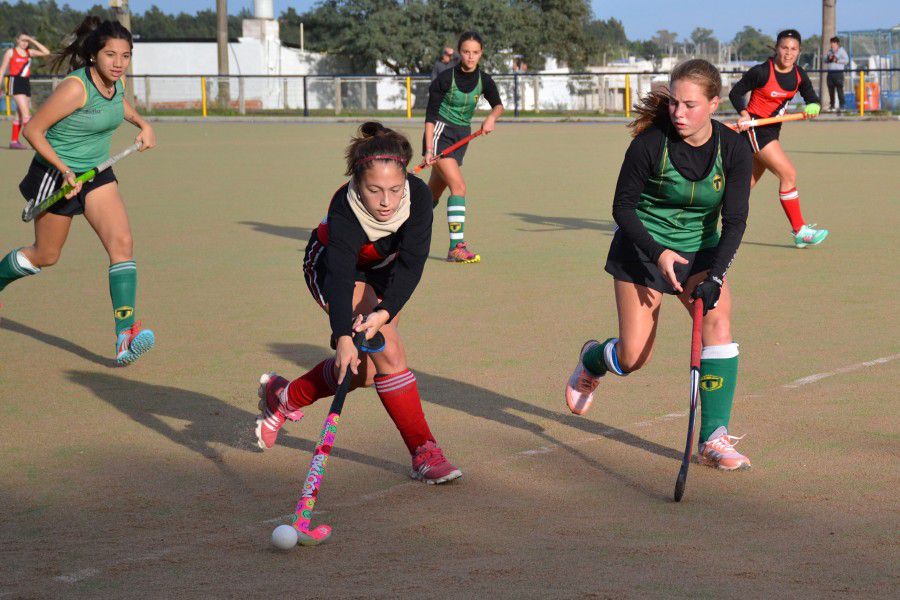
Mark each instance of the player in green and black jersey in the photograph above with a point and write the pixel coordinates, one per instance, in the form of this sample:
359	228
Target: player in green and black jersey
71	134
682	174
452	99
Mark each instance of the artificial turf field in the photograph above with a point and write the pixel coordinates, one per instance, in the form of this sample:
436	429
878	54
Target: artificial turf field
145	482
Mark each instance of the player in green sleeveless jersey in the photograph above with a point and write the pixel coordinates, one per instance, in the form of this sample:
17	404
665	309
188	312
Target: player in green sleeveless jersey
681	174
452	99
71	134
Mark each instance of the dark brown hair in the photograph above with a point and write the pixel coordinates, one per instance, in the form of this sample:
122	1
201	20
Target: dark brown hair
788	33
375	142
836	40
469	35
88	39
653	109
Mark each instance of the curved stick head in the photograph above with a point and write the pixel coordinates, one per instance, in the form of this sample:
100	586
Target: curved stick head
679	485
376	344
314	537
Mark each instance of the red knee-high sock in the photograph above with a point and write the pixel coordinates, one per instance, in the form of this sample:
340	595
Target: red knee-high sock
400	396
790	202
317	383
16	128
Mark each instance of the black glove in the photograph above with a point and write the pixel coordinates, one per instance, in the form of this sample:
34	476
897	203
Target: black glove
708	290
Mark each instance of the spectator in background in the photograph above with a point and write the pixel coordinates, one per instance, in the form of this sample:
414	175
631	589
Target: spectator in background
837	61
449	59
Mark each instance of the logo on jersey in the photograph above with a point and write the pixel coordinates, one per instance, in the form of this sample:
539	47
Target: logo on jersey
455	227
711	383
777	94
123	312
718	182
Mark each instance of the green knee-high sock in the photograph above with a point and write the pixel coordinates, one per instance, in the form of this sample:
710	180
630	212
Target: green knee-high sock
122	290
15	266
602	358
718	378
456	219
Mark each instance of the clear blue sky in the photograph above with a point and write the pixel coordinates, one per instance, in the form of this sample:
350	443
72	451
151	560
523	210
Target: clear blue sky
643	17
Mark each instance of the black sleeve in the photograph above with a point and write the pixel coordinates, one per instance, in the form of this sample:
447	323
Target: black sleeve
738	165
640	159
436	92
415	242
491	93
752	79
807	91
345	238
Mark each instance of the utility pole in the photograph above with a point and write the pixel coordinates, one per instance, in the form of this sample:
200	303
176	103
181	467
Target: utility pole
123	16
222	46
829	30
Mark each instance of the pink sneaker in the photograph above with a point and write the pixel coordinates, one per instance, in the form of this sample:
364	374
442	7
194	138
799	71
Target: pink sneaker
581	385
272	414
718	452
461	254
430	466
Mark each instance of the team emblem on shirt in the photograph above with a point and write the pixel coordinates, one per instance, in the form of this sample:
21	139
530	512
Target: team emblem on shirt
718	182
711	383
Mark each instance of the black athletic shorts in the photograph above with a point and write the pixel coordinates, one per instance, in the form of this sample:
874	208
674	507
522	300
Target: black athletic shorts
19	85
759	137
445	135
41	181
627	262
314	271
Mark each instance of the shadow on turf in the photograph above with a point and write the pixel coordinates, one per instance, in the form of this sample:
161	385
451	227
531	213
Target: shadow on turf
58	342
285	231
563	223
485	404
203	421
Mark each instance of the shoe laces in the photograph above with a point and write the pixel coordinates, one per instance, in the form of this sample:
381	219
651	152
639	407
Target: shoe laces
725	442
431	455
586	382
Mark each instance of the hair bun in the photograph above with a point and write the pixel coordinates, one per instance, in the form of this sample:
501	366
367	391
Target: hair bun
371	129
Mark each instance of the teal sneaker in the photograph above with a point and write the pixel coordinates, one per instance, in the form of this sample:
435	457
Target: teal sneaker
132	343
809	236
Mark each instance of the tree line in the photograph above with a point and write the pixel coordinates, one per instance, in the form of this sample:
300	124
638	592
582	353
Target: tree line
407	35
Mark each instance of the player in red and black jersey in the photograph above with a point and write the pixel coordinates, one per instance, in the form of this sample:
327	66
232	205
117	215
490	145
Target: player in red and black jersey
771	86
18	60
362	264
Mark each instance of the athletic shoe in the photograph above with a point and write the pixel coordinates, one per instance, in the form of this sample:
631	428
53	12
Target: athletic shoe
272	414
17	146
430	466
718	452
461	254
132	343
581	385
809	236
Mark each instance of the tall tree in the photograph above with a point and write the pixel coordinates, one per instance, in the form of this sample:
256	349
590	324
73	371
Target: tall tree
752	44
609	38
704	41
665	40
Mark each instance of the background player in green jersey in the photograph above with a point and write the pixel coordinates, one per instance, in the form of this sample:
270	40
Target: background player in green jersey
680	173
452	99
71	134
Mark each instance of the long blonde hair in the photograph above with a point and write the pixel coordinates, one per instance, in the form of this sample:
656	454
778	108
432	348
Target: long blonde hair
653	109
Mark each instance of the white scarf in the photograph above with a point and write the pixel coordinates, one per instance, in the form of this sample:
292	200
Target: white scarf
375	229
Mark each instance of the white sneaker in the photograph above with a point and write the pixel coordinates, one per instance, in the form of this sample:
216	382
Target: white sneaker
718	452
581	385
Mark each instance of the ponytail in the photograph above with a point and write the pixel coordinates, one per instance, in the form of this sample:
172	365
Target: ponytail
86	41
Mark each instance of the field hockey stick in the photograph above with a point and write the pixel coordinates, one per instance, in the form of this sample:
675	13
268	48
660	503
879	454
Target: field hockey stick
696	345
303	512
770	121
450	150
33	208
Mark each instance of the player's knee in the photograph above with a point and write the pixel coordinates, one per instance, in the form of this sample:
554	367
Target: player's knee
121	247
45	258
717	330
788	177
632	359
458	189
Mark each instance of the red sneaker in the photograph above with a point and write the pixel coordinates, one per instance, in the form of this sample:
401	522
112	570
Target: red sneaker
430	466
272	412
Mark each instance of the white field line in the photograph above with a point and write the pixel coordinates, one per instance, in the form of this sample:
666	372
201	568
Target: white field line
819	376
380	494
